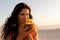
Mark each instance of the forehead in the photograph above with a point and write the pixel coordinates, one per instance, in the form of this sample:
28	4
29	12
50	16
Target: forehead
25	10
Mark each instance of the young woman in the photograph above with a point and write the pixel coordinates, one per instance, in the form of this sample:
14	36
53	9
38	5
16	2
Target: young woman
16	27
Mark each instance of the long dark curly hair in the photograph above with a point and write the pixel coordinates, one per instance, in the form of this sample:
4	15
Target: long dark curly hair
11	24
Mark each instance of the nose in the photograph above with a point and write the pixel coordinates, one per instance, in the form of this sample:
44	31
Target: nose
26	17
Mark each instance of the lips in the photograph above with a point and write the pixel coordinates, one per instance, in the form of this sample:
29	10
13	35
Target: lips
24	20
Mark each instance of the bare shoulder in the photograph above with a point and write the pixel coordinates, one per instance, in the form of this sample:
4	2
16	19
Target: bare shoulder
36	32
35	28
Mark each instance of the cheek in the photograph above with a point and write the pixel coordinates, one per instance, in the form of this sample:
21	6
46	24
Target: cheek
27	16
20	17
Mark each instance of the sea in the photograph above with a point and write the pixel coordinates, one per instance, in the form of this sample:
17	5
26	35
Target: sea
51	34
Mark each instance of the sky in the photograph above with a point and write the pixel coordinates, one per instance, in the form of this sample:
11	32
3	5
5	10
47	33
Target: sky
45	12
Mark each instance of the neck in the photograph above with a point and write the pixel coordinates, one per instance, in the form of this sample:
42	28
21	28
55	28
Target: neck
21	25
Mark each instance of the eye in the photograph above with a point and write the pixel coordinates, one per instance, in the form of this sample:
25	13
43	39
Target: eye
22	14
27	14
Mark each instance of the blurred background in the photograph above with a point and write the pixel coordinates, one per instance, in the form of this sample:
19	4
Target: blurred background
46	15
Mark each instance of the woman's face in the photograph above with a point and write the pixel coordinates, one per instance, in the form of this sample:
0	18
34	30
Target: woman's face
23	16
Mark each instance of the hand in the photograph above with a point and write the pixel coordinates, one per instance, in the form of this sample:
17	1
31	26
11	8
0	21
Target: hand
28	37
28	28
